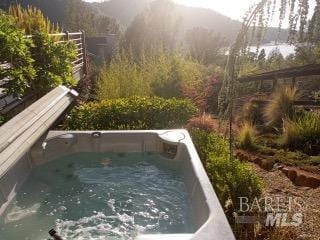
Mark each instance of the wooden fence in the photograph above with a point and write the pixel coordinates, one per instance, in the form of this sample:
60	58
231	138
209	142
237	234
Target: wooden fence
9	102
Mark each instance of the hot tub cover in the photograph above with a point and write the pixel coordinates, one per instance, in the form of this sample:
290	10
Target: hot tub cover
21	132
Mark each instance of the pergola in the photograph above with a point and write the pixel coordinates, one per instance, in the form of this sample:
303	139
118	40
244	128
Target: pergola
287	73
293	73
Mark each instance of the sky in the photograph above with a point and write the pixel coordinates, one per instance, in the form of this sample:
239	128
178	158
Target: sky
235	9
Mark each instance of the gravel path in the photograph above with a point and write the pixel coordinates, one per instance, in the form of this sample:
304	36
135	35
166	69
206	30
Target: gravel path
278	185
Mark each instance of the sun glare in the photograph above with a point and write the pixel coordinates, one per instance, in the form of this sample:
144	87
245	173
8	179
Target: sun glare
232	8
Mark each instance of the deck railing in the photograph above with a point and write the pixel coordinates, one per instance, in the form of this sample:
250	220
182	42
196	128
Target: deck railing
7	102
78	38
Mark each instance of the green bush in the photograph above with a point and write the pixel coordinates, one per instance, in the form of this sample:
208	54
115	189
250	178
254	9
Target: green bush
230	178
131	113
36	64
246	136
122	78
303	133
52	62
162	74
207	143
15	50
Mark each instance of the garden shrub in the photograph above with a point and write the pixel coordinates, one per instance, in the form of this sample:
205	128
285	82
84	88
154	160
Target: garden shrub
246	136
122	78
303	133
206	143
53	63
252	112
230	178
204	122
131	113
31	20
33	65
281	106
162	74
172	72
15	53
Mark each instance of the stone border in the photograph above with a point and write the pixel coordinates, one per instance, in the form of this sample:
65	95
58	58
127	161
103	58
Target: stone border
296	175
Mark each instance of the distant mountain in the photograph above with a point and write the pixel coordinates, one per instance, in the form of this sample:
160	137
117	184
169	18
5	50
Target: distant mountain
126	10
123	10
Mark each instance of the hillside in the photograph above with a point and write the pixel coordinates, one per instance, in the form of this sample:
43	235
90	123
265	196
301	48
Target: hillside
125	11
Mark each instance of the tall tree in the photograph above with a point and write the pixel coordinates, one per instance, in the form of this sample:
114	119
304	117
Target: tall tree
205	45
155	27
254	25
262	56
80	16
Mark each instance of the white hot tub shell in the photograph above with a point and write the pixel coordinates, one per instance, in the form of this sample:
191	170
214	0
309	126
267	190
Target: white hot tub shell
208	216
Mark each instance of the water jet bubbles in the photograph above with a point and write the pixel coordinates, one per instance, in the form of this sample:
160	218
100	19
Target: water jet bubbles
116	202
161	214
111	203
62	209
154	210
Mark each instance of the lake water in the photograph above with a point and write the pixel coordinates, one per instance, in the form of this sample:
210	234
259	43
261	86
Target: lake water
99	196
285	49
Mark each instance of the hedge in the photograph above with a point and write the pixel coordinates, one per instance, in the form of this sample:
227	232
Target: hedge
135	113
230	178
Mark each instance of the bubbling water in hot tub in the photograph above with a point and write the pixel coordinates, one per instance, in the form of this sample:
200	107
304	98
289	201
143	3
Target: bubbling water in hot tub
100	196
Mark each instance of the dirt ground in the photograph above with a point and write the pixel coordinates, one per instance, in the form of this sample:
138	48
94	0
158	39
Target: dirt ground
276	184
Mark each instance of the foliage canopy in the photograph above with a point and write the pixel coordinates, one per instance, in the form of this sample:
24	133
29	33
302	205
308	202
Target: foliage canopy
32	64
15	56
163	74
230	178
31	20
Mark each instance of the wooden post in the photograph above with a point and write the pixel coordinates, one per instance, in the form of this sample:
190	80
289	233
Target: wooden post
293	82
67	36
260	86
274	83
84	53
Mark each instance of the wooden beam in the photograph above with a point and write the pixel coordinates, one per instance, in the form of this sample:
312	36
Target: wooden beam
307	70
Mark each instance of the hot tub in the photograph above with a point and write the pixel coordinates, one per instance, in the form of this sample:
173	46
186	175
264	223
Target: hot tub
141	185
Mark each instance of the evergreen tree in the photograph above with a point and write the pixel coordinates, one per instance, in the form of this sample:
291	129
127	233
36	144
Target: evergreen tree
205	45
155	28
80	16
